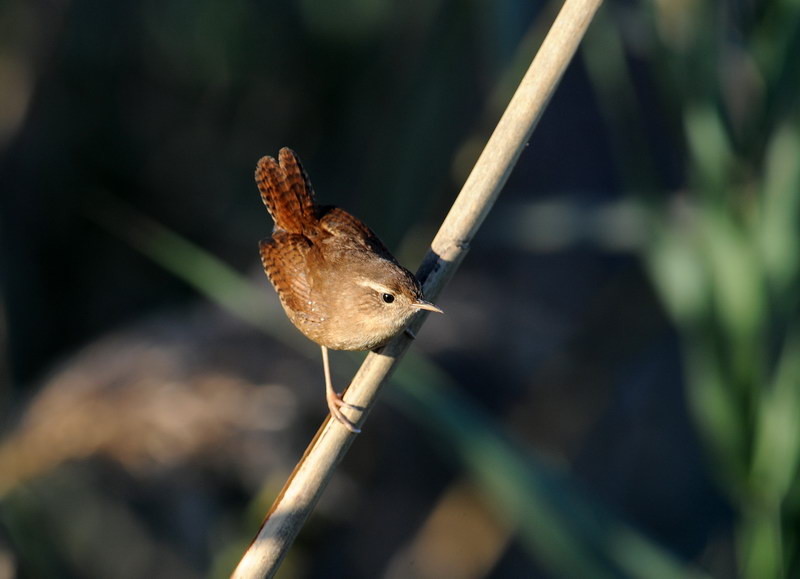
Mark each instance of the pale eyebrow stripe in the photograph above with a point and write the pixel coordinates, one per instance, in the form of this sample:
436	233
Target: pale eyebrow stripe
375	286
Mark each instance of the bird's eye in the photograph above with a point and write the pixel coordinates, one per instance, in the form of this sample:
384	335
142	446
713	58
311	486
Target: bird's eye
388	298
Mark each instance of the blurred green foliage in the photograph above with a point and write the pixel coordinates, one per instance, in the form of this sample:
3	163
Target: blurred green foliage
724	257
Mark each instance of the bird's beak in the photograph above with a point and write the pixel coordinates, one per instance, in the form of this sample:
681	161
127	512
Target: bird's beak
423	305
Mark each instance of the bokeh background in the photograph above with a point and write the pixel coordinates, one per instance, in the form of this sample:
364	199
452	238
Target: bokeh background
614	390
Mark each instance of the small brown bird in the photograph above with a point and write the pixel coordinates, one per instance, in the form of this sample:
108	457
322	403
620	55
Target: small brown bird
338	283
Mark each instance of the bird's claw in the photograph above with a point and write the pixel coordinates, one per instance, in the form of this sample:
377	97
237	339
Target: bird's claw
335	404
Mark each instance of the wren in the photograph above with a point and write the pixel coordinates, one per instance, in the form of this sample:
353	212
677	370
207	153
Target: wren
336	280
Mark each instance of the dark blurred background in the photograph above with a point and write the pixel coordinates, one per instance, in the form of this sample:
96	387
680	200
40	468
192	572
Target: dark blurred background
614	390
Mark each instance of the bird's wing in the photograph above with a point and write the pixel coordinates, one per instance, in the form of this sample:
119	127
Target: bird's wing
285	262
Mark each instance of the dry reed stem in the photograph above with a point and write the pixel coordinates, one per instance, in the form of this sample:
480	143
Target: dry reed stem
312	473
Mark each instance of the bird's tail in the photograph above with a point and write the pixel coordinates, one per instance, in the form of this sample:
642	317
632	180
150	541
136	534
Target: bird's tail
287	192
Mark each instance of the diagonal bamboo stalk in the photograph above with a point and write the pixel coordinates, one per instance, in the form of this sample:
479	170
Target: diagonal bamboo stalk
448	249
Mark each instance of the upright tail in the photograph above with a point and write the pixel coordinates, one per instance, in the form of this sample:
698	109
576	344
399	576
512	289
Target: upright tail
287	192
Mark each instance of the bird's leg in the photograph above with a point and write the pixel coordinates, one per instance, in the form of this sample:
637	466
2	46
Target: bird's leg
334	399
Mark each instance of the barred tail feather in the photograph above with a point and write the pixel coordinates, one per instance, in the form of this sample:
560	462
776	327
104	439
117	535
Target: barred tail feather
287	192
